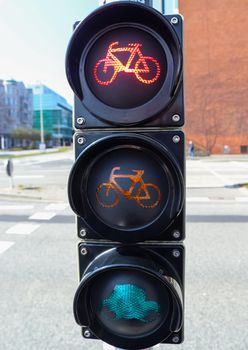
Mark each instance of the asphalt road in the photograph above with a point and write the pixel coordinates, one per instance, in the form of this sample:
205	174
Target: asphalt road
38	262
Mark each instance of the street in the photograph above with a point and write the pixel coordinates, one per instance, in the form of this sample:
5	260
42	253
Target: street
38	258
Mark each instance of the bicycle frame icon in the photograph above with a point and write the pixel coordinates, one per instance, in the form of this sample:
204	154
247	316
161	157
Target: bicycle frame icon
107	69
111	190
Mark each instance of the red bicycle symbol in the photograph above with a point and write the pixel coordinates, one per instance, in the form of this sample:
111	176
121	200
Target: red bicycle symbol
107	69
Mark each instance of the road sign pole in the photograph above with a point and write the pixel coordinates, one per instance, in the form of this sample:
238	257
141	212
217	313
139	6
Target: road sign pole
10	172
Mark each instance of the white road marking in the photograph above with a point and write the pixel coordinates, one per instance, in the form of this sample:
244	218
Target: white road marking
16	207
50	159
56	206
50	170
207	199
29	176
22	229
241	176
4	245
197	199
241	199
42	215
222	178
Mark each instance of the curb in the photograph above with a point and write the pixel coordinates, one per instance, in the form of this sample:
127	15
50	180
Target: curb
30	198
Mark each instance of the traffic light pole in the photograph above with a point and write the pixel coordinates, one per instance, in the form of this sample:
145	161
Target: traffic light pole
163	6
108	347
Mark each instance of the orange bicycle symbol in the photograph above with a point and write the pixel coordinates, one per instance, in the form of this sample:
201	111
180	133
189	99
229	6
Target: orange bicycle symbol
107	69
107	193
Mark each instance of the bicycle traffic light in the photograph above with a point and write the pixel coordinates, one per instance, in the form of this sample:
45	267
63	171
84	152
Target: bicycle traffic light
131	296
124	64
132	188
127	188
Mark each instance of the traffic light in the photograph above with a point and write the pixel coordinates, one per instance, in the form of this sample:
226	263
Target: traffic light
125	65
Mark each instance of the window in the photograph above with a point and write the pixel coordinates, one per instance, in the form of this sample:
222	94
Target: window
244	149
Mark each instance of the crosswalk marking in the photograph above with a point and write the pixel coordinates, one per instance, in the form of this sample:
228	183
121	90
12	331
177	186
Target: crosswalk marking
242	199
197	199
4	245
212	199
16	207
56	206
42	215
22	229
29	176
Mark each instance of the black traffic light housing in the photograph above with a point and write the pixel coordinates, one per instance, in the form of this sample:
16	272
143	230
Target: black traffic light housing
123	102
109	273
113	159
124	63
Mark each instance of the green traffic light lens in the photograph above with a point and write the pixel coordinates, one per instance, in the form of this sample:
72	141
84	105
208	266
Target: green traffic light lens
129	303
130	297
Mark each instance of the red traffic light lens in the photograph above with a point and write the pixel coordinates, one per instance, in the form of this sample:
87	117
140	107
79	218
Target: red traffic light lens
122	61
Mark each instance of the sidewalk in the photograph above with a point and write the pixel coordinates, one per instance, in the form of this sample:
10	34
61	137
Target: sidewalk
221	157
34	190
44	193
27	152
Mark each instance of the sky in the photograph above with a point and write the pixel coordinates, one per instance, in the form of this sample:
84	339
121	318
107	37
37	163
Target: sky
34	35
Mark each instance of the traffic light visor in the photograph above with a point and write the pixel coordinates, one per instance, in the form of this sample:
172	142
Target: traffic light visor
128	187
124	63
128	304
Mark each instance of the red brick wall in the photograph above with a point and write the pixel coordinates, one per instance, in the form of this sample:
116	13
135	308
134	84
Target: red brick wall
216	73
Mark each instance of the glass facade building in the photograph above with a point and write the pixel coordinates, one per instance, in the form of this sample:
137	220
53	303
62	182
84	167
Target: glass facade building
16	110
56	113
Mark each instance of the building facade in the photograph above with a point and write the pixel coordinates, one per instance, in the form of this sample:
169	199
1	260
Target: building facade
56	114
16	109
216	74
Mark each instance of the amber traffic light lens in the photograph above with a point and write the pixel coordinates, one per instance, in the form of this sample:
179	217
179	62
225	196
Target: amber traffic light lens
128	187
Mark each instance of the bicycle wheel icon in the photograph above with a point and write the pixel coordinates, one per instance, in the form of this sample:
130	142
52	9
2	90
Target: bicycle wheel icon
107	195
104	72
147	70
154	196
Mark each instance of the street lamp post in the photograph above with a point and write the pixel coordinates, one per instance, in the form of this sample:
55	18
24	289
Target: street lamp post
2	138
42	140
